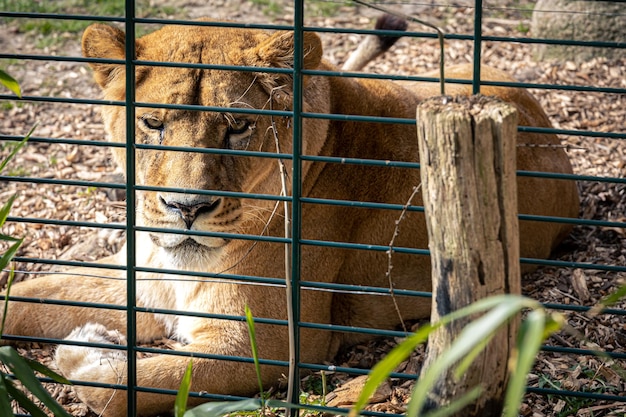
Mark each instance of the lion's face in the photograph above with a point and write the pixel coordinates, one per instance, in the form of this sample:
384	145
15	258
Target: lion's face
215	136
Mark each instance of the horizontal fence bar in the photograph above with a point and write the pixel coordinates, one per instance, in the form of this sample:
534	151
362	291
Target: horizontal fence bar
362	246
352	371
578	394
71	223
566	264
62	141
61	262
54	181
270	239
56	16
202	355
577	351
570	132
584	309
410	34
69	303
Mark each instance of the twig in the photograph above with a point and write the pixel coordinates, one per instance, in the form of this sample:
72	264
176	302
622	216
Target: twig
396	232
290	318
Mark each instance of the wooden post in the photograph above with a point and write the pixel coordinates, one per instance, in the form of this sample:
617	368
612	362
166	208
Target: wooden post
467	156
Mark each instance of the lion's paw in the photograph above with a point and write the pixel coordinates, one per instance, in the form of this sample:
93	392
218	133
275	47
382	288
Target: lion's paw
82	361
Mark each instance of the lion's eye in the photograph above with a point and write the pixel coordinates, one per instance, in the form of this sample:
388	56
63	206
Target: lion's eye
238	133
238	127
151	122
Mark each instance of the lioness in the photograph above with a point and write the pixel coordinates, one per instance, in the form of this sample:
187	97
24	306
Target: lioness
226	212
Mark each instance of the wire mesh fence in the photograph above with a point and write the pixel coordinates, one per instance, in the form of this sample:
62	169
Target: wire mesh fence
74	206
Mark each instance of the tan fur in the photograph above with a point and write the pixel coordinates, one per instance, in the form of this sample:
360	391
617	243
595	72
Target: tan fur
226	295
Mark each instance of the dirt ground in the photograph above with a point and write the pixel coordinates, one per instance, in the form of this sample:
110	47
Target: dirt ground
564	288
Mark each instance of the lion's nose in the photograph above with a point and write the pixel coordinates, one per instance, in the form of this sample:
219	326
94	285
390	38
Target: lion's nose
190	212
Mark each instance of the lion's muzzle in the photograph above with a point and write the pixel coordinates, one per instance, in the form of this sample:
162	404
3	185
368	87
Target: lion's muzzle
190	211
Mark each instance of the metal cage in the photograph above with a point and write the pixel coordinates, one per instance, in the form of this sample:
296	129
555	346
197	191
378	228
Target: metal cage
480	42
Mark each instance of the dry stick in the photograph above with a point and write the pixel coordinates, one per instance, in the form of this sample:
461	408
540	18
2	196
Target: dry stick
442	84
396	232
288	287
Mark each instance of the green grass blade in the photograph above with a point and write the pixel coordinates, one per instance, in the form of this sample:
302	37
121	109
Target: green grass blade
25	374
42	369
468	359
9	254
490	303
7	238
478	333
25	402
4	212
180	405
6	300
530	337
5	399
17	148
472	335
10	83
554	323
218	409
380	372
613	298
255	350
458	404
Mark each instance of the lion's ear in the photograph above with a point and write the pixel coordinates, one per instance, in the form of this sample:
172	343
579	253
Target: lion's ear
277	51
103	41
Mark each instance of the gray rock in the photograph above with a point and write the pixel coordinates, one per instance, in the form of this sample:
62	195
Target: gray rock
603	21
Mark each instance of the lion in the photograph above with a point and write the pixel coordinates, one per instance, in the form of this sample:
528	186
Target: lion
215	209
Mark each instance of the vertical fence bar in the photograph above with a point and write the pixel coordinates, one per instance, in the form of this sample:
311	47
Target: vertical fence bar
131	380
296	215
478	37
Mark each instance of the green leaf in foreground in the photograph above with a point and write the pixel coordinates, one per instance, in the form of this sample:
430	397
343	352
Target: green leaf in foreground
218	409
10	83
458	404
253	344
8	255
529	339
180	405
24	373
5	399
42	369
24	401
17	148
4	213
496	312
609	300
382	369
471	336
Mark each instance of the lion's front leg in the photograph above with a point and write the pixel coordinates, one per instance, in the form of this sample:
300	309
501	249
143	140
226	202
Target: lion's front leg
163	371
38	319
77	361
86	363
